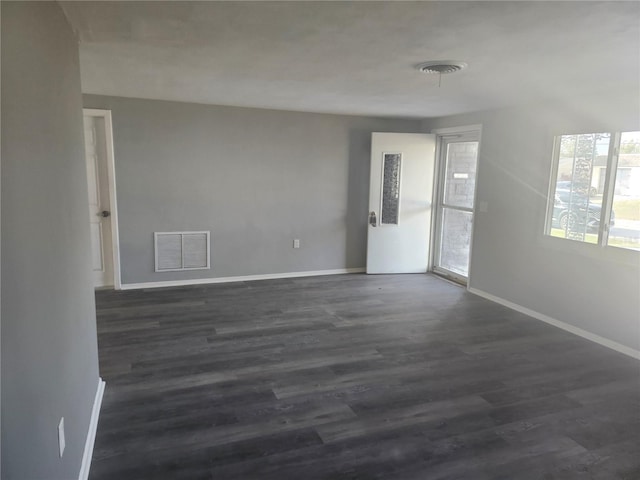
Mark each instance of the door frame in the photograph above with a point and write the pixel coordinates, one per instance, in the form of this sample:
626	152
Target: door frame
111	183
441	134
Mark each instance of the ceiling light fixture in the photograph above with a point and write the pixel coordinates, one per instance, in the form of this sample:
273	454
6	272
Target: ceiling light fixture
441	67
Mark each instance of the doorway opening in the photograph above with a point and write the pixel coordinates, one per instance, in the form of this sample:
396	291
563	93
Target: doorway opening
457	162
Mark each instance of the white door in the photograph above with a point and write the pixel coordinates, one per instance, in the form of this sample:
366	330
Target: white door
400	197
99	214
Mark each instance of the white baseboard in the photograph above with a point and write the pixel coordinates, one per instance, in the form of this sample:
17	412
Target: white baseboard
91	434
246	278
605	342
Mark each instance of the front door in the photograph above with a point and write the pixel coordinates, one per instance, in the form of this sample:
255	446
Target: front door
400	197
99	201
455	205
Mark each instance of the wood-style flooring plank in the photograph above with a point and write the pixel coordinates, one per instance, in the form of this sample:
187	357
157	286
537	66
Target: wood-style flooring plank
354	377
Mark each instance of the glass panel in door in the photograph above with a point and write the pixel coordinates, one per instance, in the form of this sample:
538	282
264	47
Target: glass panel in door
455	242
460	174
390	209
459	160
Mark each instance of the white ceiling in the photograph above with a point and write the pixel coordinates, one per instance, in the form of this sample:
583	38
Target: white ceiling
357	57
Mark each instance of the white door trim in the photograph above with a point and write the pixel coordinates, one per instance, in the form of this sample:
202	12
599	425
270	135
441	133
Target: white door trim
458	130
91	433
111	180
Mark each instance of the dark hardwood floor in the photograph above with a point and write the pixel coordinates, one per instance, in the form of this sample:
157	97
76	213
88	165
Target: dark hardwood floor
354	377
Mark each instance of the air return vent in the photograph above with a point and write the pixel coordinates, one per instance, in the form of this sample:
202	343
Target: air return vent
181	251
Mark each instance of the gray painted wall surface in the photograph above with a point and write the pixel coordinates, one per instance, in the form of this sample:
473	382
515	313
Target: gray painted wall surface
49	348
596	289
256	178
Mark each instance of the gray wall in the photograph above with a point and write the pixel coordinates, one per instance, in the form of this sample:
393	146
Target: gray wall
256	178
49	350
596	289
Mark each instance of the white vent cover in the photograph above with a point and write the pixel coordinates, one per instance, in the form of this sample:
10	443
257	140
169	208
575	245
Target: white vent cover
441	67
182	251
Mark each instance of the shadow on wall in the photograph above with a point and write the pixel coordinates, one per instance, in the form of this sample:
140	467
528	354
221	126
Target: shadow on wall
358	197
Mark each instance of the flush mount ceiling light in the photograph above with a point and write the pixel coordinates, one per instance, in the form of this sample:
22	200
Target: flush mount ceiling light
441	67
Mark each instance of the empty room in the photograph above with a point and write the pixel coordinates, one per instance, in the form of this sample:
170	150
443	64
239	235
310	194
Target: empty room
342	240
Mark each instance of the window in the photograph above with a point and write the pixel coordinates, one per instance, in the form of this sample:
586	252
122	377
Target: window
596	189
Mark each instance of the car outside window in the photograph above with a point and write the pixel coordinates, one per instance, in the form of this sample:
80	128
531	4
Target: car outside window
595	189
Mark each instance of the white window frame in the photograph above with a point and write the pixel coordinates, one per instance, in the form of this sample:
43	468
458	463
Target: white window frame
607	194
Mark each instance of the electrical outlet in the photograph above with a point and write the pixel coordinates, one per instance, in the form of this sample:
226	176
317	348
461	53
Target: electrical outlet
61	442
296	243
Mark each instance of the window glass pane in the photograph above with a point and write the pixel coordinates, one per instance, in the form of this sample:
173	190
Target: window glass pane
390	188
460	176
455	240
577	202
625	218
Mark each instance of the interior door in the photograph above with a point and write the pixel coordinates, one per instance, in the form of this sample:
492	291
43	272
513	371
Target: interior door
400	197
99	214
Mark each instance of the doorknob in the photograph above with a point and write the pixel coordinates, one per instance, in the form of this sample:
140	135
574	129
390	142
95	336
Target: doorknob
373	221
105	213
